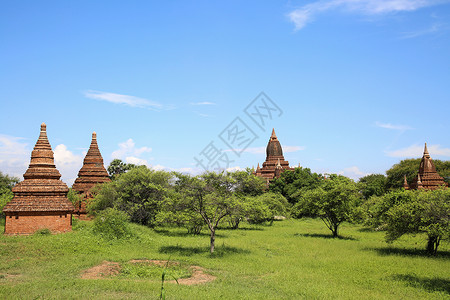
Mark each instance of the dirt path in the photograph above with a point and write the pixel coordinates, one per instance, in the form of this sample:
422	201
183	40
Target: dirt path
109	268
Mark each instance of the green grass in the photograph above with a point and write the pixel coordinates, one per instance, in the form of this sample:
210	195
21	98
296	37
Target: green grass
290	260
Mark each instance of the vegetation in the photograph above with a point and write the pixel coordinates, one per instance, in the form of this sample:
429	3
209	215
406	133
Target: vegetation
111	224
117	167
333	201
6	184
372	185
293	259
409	167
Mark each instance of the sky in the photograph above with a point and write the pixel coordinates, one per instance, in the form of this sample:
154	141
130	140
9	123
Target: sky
350	86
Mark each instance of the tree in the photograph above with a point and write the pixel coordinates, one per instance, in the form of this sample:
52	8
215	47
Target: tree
334	201
373	184
6	184
117	167
426	211
210	195
291	184
266	207
138	192
410	167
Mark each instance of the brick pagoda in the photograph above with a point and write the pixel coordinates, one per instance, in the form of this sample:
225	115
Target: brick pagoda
40	200
275	163
91	173
427	177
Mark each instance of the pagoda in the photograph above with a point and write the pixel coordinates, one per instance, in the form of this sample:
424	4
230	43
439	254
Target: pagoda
427	177
91	173
40	200
275	163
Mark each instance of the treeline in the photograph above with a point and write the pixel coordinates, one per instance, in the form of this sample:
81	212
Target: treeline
207	201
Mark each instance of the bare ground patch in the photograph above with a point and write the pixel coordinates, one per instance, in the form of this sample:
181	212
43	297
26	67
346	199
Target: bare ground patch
108	269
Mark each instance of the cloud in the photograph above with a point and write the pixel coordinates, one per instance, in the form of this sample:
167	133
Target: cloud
392	126
124	99
129	148
435	27
416	151
305	14
353	172
135	161
202	103
262	150
67	163
14	155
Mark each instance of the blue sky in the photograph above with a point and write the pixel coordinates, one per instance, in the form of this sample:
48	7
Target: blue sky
360	84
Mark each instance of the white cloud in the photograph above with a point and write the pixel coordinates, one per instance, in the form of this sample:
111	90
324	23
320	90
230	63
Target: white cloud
67	163
233	169
124	99
14	155
392	126
262	150
435	27
129	148
202	103
353	172
305	14
416	151
135	160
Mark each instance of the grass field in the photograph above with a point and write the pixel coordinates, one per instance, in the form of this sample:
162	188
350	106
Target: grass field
293	259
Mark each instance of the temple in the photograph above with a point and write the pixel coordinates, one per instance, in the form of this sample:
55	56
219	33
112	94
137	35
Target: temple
91	173
40	200
427	177
275	163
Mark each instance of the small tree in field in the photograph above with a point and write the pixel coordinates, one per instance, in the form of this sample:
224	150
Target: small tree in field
210	195
427	212
334	202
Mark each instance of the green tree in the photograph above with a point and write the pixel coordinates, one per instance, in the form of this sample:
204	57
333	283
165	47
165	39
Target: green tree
374	184
210	195
117	167
425	211
410	167
291	184
266	207
334	201
6	184
138	192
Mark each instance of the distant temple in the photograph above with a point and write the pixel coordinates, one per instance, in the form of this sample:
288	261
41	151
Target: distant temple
275	163
427	177
40	200
91	173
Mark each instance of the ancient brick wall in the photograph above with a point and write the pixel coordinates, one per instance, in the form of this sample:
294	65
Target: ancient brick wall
28	223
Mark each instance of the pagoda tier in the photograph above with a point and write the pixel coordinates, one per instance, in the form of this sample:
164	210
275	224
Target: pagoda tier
91	173
40	201
275	163
427	177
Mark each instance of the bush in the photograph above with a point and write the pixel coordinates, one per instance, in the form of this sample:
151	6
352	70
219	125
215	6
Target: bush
112	224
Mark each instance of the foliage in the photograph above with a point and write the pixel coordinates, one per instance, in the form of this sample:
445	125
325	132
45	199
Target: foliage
6	184
425	211
74	197
117	167
374	184
112	224
266	207
138	192
247	184
210	195
291	184
334	201
410	167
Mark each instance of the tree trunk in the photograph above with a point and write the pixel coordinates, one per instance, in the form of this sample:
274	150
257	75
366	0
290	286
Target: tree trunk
433	243
213	239
335	230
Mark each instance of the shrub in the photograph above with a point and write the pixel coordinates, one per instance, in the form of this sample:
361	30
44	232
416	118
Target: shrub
112	224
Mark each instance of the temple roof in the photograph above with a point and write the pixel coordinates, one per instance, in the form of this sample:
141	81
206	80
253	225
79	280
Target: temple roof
274	146
93	170
41	189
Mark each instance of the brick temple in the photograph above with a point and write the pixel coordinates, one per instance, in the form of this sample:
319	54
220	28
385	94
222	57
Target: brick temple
40	200
427	177
275	163
91	173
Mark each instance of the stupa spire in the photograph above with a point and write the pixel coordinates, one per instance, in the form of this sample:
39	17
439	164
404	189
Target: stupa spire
425	151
